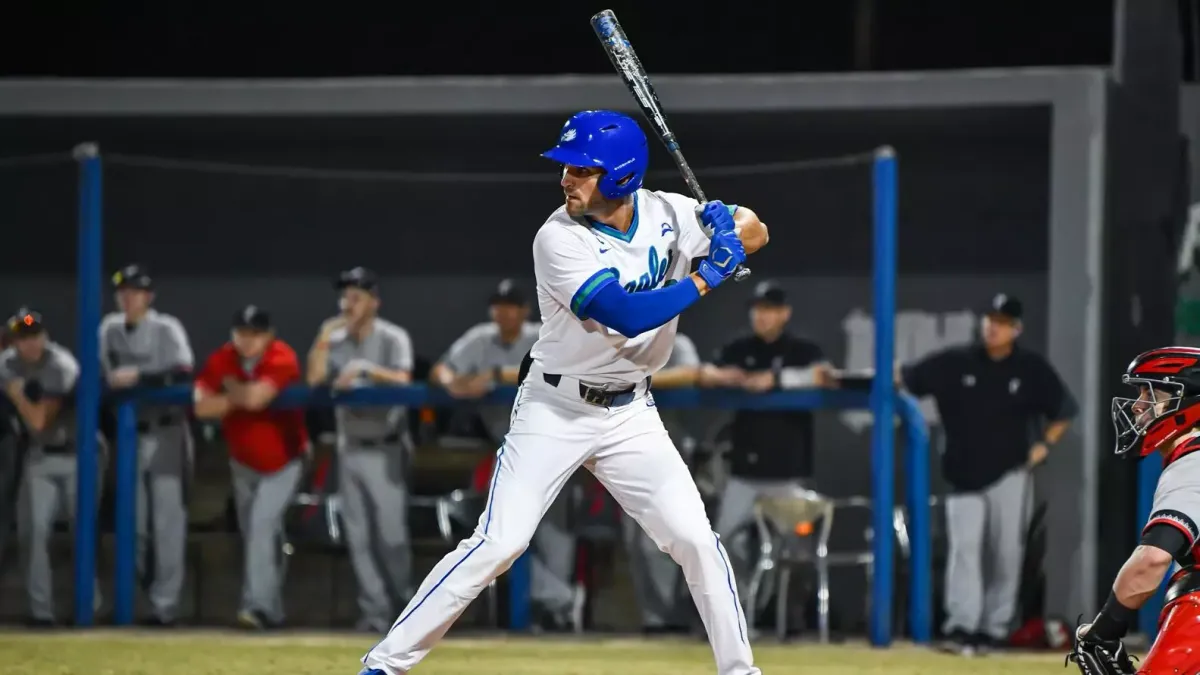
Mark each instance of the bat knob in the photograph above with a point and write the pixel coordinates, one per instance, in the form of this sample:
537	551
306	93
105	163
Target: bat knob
741	273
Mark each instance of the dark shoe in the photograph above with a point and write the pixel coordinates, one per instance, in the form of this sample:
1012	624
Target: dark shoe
156	622
41	624
252	620
985	644
958	642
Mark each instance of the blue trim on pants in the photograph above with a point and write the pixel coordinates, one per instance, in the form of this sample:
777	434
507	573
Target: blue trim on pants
487	525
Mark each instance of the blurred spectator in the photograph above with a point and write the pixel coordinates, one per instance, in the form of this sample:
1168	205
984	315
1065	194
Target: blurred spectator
489	355
39	378
1002	407
12	455
486	356
266	449
357	349
140	346
771	449
655	575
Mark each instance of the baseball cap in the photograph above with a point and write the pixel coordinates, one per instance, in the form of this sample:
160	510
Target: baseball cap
133	276
252	317
358	277
1006	306
24	322
507	293
769	293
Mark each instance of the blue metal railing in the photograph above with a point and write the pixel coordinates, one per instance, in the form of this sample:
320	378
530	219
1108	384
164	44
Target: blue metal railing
917	472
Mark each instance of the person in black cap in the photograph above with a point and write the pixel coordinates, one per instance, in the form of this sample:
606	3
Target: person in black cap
355	349
486	356
1002	408
39	376
266	450
140	346
771	451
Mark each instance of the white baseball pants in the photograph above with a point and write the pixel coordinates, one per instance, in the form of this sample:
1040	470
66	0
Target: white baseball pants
553	433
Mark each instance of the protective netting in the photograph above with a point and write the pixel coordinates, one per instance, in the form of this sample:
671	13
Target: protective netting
269	219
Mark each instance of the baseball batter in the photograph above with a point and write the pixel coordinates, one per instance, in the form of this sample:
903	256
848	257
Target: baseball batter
612	270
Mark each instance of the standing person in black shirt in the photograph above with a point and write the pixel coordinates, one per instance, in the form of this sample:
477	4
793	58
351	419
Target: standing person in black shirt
772	450
1002	408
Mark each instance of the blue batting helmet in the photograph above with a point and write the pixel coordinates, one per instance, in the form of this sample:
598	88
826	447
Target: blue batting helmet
609	140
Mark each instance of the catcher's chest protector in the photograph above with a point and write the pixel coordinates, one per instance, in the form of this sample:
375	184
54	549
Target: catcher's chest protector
1176	650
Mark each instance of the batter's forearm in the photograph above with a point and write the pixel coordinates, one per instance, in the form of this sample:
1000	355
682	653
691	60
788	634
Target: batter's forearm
632	314
751	231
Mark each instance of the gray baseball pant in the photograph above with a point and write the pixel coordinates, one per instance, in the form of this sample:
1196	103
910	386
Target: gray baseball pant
986	532
162	521
47	491
262	500
375	514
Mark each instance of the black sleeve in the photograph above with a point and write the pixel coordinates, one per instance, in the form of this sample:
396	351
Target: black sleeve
926	376
1168	538
727	354
1054	400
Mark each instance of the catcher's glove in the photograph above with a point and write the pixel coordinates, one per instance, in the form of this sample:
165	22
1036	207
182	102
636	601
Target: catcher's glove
1099	657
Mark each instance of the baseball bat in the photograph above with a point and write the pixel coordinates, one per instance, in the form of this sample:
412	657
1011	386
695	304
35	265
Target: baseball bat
625	61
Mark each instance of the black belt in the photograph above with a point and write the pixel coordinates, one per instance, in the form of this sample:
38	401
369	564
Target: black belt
63	449
608	398
376	442
164	421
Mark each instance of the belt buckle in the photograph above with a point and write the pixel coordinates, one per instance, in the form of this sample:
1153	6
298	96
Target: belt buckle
595	396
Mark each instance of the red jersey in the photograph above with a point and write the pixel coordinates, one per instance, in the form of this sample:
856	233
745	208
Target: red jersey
263	440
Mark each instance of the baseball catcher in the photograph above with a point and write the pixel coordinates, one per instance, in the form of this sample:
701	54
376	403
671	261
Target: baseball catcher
1164	418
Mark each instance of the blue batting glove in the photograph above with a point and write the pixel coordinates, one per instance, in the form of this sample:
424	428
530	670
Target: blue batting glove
725	253
717	216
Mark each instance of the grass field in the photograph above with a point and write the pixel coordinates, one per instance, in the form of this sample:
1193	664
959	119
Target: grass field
215	653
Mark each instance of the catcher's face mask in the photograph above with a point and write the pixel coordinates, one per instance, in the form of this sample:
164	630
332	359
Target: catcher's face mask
1145	423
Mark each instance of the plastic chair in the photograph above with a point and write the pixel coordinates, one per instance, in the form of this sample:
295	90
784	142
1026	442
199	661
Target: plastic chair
779	515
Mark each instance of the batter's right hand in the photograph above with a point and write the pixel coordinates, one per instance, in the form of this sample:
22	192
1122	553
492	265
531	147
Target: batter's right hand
725	253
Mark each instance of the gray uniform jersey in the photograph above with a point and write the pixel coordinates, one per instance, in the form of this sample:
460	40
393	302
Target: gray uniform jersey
157	344
479	350
387	345
57	371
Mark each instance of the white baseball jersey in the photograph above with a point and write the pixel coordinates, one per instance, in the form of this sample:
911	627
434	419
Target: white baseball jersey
573	259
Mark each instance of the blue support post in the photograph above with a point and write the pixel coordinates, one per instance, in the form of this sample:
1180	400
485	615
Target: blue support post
519	599
125	515
89	250
1149	470
883	402
920	527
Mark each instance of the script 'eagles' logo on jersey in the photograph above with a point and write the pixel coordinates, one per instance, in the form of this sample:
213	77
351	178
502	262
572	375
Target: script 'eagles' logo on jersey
655	274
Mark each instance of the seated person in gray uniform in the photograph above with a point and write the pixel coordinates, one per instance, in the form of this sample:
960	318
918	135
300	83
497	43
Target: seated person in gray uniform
356	349
140	346
488	355
656	577
39	378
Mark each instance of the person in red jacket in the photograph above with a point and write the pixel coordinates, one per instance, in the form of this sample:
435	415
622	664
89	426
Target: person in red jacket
266	450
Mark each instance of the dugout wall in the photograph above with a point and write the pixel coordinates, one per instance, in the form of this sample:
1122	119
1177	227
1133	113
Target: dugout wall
1074	99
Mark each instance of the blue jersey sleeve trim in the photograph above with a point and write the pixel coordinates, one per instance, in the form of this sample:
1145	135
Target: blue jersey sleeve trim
589	289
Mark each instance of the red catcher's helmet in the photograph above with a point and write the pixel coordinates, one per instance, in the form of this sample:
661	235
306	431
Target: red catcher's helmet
1168	401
